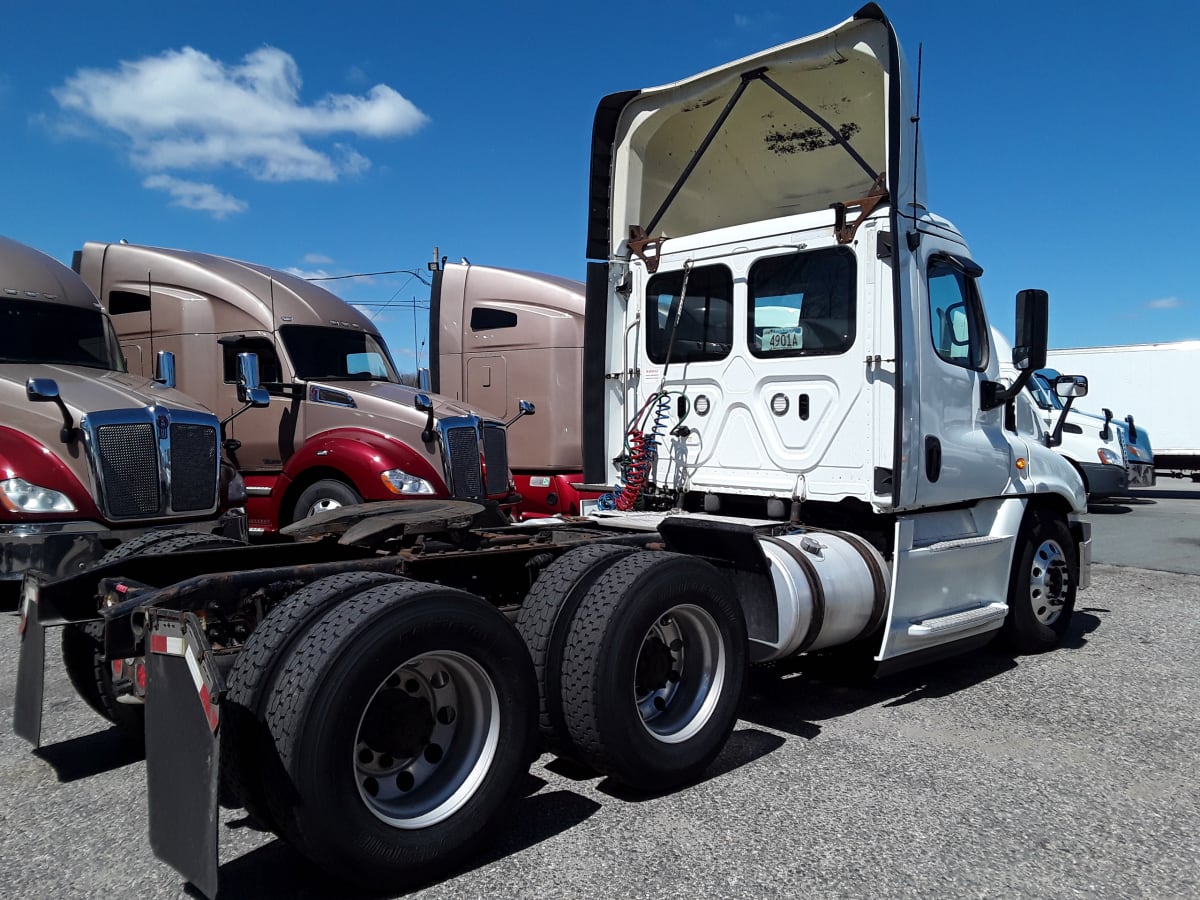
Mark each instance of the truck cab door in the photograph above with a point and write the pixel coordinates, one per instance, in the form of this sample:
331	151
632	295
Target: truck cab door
964	451
268	436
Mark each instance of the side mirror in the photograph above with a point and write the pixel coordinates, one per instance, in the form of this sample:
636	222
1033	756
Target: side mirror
45	390
425	405
164	368
524	408
1033	318
1068	387
1071	386
42	390
423	379
248	388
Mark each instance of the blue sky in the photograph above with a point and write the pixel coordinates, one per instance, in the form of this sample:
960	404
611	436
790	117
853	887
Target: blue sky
354	138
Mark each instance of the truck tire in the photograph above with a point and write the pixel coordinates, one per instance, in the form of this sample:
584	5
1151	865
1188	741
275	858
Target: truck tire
83	644
168	541
245	742
653	669
402	723
91	676
323	495
544	619
1041	592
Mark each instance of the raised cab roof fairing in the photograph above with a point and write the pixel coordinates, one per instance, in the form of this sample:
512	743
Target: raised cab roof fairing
769	158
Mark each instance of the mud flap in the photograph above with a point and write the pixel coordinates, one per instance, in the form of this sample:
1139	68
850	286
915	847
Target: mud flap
31	667
182	746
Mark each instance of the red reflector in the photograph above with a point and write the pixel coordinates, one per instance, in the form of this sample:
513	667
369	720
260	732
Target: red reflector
139	675
158	643
210	711
121	588
118	665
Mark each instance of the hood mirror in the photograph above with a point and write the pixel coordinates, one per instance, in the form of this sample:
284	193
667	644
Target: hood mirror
423	404
45	390
524	408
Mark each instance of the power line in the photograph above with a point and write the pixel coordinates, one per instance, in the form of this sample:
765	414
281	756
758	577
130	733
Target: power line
413	272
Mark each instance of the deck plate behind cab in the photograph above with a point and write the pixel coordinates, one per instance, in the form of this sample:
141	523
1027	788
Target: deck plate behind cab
402	516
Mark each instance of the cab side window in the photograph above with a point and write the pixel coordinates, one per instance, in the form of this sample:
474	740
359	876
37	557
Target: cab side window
957	324
268	361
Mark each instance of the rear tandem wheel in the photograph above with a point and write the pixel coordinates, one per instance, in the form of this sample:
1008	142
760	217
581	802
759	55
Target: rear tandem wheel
401	725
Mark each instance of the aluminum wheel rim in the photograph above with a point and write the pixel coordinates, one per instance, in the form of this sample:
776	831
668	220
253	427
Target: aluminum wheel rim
324	505
679	674
437	721
1049	582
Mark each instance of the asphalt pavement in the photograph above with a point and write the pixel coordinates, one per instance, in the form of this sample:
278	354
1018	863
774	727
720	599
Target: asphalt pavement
1074	773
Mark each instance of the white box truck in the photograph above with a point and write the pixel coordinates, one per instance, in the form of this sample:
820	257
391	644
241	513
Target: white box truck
1142	379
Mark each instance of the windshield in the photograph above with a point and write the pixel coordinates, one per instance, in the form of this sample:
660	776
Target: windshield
337	354
33	331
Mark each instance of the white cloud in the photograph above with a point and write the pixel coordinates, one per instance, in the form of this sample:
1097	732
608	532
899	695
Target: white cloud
184	110
374	314
317	259
309	273
196	195
1165	303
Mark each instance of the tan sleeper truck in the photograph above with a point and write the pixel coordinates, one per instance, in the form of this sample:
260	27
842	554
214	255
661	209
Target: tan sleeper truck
92	455
343	429
501	334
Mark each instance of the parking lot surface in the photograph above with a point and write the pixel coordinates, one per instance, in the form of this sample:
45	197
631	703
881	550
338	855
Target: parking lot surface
1071	774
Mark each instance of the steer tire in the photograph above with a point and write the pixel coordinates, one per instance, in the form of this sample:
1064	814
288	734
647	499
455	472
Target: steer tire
544	619
91	676
330	490
87	667
652	670
374	688
1042	586
245	741
155	542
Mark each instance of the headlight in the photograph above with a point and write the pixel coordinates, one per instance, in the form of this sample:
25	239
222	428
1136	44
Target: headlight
19	495
1108	457
400	482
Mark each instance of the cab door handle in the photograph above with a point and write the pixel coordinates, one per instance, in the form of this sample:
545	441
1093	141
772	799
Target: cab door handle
933	458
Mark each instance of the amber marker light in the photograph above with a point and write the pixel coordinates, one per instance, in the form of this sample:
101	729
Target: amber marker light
1021	464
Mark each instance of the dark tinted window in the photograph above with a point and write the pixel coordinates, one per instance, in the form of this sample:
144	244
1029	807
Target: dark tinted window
484	318
802	304
268	362
332	354
702	327
37	332
122	302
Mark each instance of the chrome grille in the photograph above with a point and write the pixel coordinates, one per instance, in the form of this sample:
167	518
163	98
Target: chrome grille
193	463
495	454
128	464
466	476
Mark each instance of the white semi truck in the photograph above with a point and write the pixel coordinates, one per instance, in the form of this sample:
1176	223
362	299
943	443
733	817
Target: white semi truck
790	390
